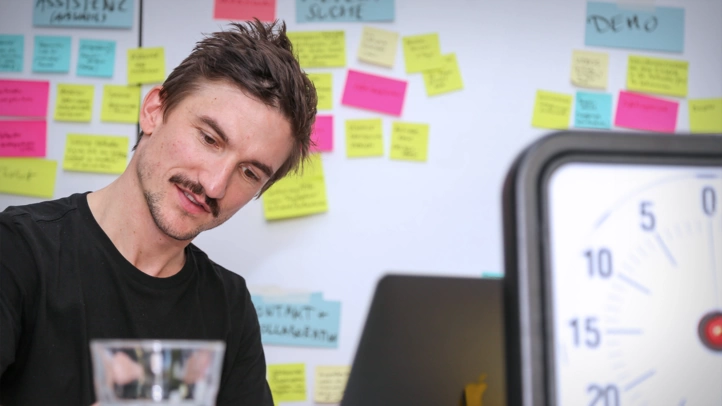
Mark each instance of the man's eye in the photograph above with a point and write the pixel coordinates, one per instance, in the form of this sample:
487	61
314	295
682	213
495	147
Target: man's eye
250	174
208	139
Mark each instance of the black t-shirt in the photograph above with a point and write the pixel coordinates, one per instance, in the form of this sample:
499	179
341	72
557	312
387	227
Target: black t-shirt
63	283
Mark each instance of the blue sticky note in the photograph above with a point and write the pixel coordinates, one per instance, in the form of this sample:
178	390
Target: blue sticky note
313	323
88	14
319	11
96	58
51	54
11	53
593	110
649	28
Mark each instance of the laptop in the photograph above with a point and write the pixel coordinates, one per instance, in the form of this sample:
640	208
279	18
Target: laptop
425	339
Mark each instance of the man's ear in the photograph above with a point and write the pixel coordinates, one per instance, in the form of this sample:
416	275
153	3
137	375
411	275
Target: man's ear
151	111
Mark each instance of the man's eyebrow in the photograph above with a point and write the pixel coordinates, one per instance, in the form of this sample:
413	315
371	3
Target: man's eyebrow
217	128
265	168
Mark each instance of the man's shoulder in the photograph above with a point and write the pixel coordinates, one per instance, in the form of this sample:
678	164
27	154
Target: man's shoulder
233	282
46	211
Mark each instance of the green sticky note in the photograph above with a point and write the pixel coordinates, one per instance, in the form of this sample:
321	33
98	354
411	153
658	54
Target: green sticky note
28	176
146	65
705	115
364	138
319	49
421	52
444	78
297	195
74	103
658	76
552	110
409	141
287	382
121	104
324	87
95	153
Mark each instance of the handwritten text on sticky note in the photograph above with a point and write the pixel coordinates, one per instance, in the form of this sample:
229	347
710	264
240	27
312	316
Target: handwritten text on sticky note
322	134
378	47
74	103
51	54
146	65
316	11
23	138
705	115
89	14
659	76
444	78
27	98
297	195
287	382
421	52
28	176
590	69
364	138
95	153
409	141
330	383
593	110
646	113
96	58
373	92
552	110
12	51
121	104
264	10
319	49
324	89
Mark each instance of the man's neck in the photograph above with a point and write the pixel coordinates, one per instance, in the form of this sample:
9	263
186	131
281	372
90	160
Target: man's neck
121	211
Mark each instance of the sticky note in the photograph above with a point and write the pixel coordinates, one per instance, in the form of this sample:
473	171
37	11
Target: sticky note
656	75
421	52
318	11
650	28
409	141
27	138
378	46
590	69
28	176
552	110
373	92
96	58
51	54
593	110
264	10
330	383
319	49
313	323
121	104
74	103
322	134
646	113
287	382
445	78
86	13
27	98
95	153
12	52
364	138
297	195
324	87
705	115
146	65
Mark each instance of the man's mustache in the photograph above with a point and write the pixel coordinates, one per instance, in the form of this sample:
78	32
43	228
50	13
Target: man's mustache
196	188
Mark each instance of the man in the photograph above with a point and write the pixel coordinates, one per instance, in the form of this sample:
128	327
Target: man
229	121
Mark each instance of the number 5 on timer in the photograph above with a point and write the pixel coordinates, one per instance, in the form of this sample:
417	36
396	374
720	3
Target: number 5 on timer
614	264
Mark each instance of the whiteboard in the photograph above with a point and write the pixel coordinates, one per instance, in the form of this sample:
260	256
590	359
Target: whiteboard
438	217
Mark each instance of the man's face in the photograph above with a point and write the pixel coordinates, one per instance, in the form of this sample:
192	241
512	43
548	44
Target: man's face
208	158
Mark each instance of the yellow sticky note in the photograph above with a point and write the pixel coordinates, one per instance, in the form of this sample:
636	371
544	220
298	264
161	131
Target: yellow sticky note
95	153
656	75
421	52
590	69
552	110
287	382
28	176
409	141
705	115
324	89
445	78
297	195
364	138
378	46
121	104
74	103
146	65
330	383
319	49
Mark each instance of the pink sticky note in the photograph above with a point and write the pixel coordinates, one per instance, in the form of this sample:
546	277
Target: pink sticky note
322	134
374	92
23	138
646	113
264	10
24	98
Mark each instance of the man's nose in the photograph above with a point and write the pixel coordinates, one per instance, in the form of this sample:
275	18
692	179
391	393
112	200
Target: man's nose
216	178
